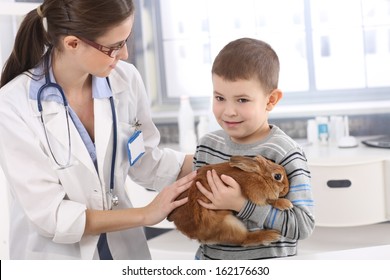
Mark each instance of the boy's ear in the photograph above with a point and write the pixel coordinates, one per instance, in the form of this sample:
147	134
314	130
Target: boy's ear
273	99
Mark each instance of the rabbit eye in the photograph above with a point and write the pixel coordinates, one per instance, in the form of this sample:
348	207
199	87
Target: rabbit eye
278	176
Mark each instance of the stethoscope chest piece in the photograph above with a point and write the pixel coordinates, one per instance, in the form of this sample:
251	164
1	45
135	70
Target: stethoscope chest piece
113	200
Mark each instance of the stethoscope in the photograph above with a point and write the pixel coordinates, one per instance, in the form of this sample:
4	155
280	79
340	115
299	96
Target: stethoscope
113	199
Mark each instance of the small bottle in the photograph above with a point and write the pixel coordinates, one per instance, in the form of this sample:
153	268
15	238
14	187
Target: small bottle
323	130
187	137
203	126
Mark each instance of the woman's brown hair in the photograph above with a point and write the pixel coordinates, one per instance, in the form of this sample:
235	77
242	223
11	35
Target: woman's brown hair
85	18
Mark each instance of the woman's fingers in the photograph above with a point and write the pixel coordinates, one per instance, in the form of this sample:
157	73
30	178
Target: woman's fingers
183	184
165	202
180	202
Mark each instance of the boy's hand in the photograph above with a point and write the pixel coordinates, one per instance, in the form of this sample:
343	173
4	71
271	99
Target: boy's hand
225	193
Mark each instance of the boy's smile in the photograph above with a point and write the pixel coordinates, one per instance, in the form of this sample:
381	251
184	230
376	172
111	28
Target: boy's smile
231	124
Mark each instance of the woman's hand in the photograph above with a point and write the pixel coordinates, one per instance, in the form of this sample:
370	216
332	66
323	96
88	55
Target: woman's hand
99	221
164	203
225	193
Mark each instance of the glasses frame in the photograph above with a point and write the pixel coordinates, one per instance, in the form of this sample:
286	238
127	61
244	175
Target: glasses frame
110	51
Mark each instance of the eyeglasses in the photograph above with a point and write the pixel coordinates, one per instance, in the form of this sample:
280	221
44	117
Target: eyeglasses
110	51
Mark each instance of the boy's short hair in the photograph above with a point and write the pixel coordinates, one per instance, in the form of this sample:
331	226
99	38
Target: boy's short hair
248	58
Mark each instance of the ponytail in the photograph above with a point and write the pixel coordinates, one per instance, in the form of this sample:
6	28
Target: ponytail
29	47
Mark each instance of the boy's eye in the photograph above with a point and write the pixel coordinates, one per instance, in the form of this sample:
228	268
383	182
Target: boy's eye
242	100
219	98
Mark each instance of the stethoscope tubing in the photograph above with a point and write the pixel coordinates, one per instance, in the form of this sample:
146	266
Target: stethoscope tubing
114	145
47	85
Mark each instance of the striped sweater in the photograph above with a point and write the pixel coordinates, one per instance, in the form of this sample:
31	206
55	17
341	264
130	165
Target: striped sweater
294	224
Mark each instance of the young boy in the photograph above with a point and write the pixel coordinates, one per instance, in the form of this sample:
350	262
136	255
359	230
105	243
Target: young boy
245	81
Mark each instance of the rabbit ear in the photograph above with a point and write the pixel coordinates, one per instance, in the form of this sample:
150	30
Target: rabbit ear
244	163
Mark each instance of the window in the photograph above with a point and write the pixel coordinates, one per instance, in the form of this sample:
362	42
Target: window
330	51
11	14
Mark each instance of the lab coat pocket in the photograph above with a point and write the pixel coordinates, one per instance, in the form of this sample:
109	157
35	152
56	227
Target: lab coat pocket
81	185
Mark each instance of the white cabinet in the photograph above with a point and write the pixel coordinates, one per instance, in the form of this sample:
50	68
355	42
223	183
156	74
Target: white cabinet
351	187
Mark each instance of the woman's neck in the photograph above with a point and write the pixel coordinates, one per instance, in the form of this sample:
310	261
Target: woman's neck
75	83
77	87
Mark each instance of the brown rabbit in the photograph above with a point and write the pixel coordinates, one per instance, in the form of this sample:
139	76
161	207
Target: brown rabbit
262	182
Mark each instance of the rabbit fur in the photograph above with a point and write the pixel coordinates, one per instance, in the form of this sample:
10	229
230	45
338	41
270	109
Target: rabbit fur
262	182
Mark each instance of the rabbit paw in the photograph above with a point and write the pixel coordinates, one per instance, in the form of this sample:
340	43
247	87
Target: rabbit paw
281	204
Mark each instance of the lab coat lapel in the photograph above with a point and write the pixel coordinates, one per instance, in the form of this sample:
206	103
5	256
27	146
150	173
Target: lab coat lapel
55	121
103	136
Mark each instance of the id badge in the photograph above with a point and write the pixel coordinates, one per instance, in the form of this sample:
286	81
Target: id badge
135	147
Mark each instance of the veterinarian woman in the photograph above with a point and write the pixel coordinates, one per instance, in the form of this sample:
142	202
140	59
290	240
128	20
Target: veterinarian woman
75	122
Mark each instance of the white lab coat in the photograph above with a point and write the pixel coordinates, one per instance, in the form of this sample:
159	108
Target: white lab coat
48	204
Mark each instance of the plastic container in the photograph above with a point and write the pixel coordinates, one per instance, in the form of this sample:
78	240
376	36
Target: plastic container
323	130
